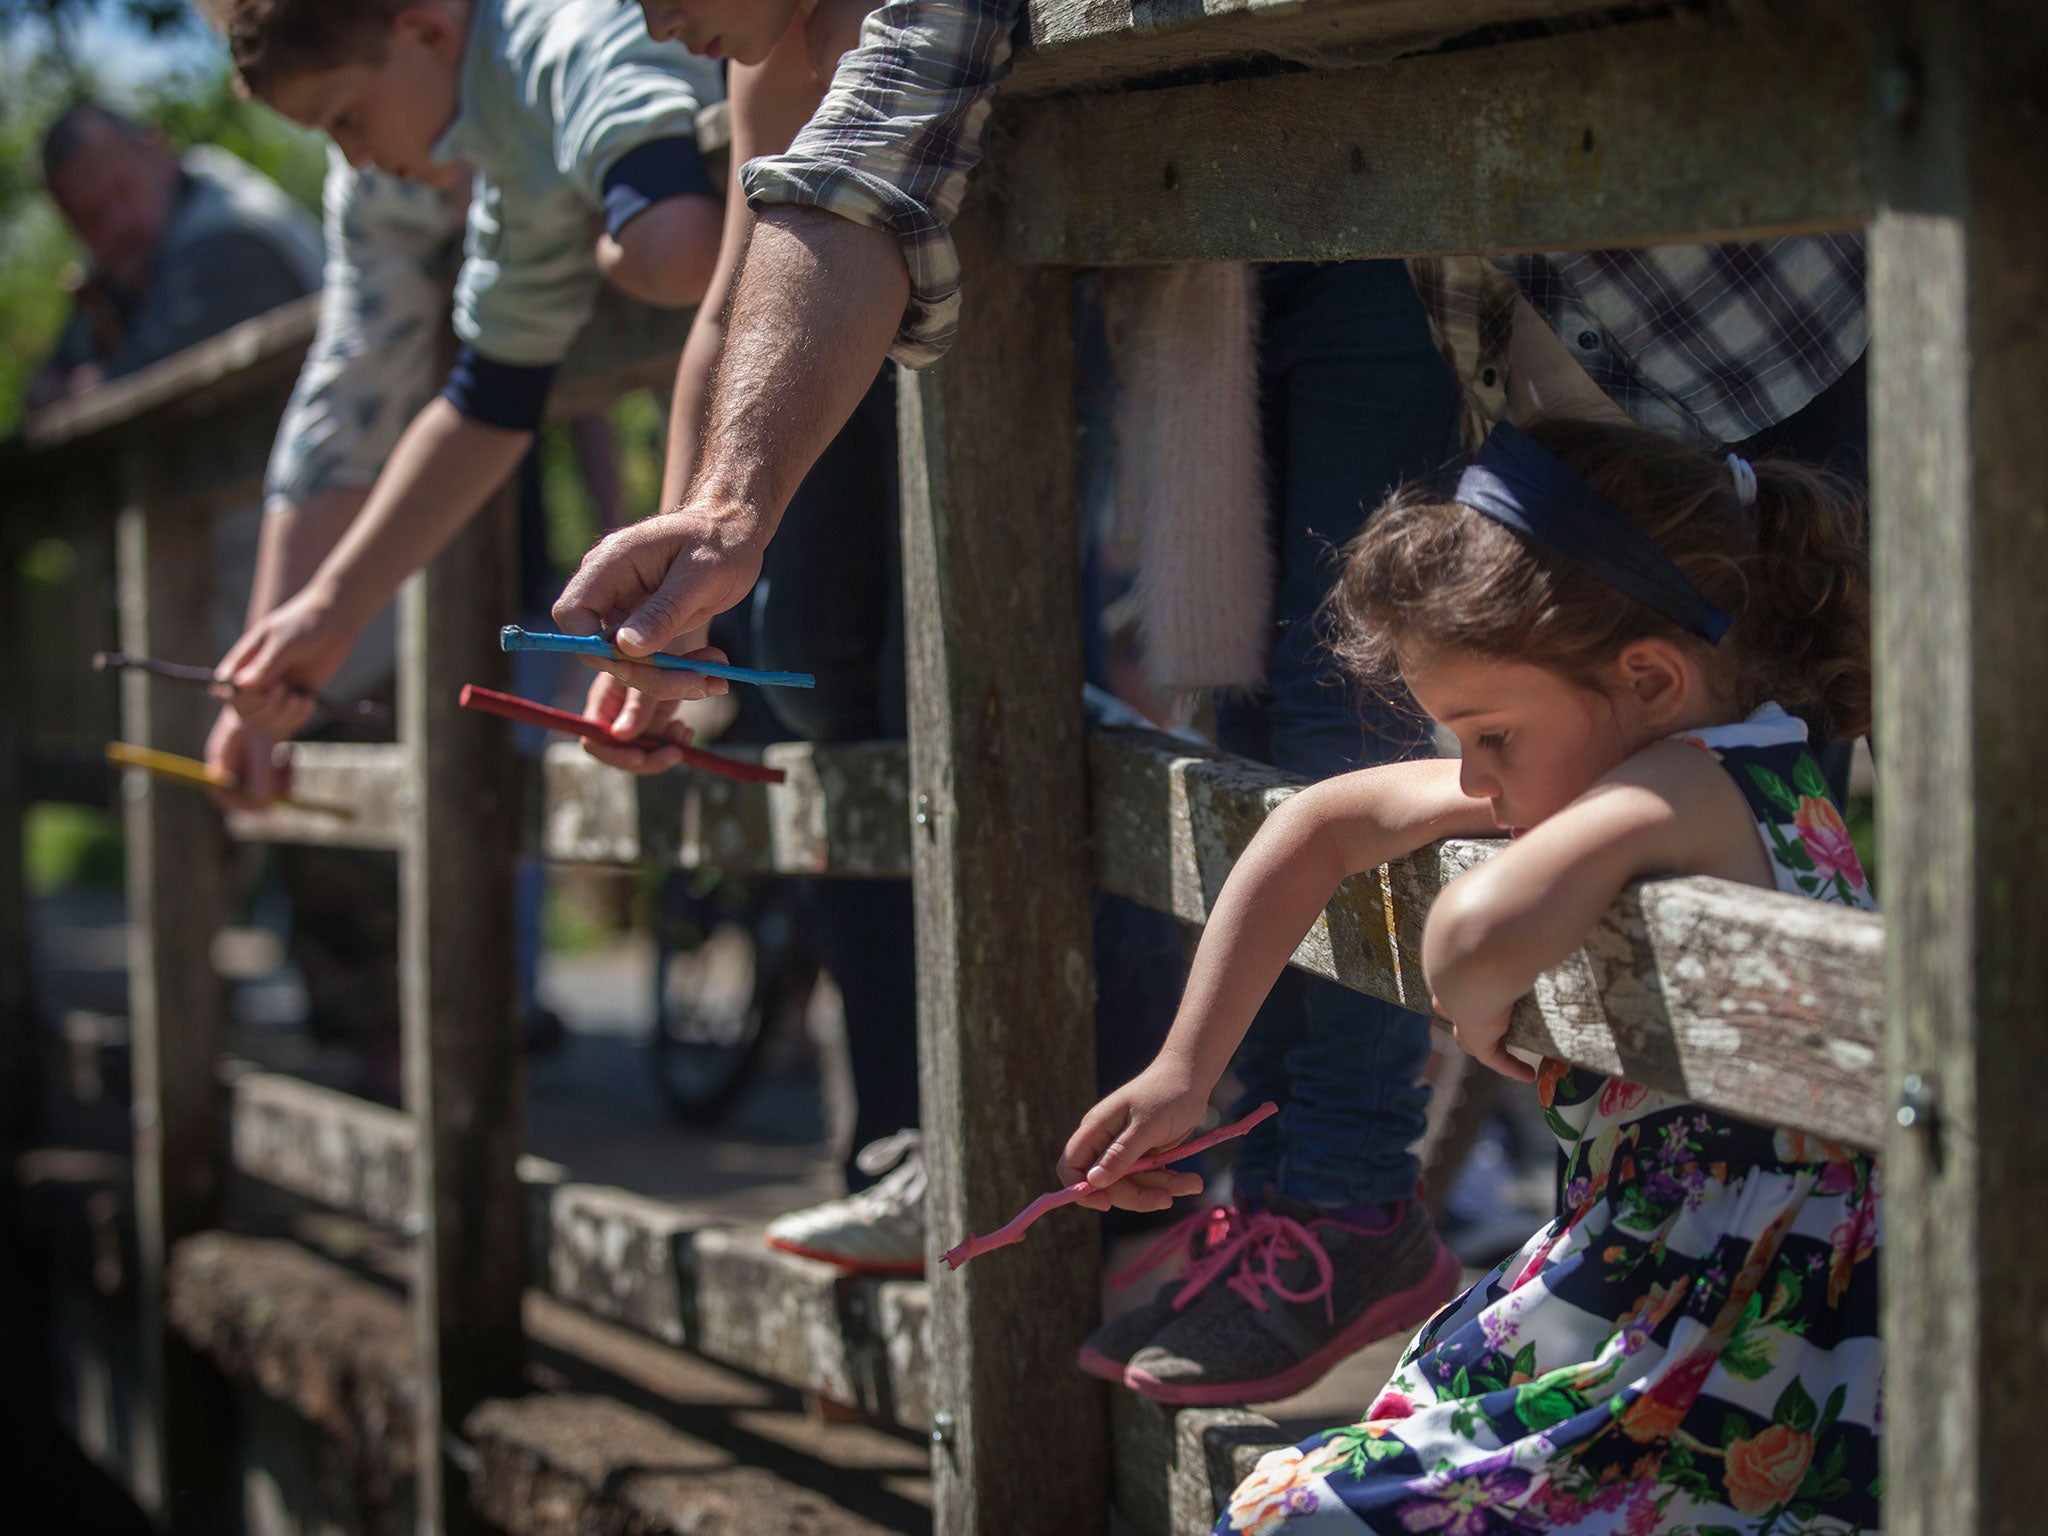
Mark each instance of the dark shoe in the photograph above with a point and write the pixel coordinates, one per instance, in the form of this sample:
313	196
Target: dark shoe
1300	1290
545	1032
1108	1350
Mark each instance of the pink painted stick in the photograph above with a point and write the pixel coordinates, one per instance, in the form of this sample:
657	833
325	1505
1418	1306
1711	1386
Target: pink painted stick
1002	1237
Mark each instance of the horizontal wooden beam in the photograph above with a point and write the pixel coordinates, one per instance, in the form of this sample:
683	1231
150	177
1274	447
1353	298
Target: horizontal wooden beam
1682	128
368	780
842	811
1173	1470
639	1262
1764	1005
1074	44
336	1348
258	354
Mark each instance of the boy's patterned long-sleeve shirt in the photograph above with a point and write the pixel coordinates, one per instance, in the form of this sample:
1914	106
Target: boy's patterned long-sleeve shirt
1717	342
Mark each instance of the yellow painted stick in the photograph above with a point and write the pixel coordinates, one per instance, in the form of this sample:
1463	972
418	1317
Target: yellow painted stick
189	770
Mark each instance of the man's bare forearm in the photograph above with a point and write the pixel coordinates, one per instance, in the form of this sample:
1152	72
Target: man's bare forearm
812	317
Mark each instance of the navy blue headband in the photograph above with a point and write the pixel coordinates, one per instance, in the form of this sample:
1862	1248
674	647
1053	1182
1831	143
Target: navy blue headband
1518	483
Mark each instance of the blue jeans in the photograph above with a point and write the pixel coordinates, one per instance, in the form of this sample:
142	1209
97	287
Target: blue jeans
830	601
1355	400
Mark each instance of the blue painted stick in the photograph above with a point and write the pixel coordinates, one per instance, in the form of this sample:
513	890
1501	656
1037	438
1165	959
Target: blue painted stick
513	638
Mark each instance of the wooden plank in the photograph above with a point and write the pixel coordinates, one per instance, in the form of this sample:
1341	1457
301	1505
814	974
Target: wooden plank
1176	1468
370	779
1077	43
20	1062
343	1152
1763	1005
330	1345
622	1257
645	1264
176	888
332	1148
464	1073
198	382
1001	872
842	811
1959	262
1678	129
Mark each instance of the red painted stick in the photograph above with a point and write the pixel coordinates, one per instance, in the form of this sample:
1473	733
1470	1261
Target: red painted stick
1002	1237
526	712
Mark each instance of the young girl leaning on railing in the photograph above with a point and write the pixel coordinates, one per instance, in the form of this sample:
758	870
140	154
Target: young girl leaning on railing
1614	626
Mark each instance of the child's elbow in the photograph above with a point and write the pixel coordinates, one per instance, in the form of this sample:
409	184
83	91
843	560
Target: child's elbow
1462	949
666	253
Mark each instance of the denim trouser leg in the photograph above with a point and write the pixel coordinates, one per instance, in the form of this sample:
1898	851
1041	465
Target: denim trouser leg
1356	400
830	601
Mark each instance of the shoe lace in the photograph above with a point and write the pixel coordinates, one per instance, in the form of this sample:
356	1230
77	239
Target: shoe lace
1189	1238
878	1157
1264	1242
903	1188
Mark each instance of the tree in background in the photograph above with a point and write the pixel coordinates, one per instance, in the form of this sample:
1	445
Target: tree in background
45	67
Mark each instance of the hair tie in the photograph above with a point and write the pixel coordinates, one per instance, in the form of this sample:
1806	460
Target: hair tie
1745	479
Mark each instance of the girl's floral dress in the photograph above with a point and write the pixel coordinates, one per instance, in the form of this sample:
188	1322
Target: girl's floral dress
1689	1349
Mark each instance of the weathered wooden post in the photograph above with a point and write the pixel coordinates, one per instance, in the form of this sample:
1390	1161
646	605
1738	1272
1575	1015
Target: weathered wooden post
176	880
18	1056
1001	869
1959	270
464	1077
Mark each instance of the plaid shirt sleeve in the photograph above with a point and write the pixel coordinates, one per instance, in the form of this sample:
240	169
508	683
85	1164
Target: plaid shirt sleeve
891	145
1716	342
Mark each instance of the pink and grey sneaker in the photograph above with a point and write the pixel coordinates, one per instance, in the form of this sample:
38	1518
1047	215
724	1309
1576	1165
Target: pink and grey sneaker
1302	1288
1108	1350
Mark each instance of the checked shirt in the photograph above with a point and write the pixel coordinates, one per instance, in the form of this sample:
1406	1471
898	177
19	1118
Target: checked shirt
1714	342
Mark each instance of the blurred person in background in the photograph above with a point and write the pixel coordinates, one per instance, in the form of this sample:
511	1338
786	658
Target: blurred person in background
180	246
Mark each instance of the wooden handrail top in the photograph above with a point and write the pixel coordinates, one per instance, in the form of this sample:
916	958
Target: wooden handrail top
1765	1005
1080	44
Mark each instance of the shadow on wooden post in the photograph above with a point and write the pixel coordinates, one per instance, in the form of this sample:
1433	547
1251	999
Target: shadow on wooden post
1959	263
1000	866
176	852
464	1077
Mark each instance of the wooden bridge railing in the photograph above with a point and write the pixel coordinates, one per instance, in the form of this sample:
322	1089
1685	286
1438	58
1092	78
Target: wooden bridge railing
1917	119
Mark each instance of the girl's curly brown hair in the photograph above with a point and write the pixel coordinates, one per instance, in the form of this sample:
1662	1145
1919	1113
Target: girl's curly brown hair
1427	573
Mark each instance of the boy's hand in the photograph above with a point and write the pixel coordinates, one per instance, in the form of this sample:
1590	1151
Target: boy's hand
667	578
1485	1041
283	660
236	748
1154	1112
628	714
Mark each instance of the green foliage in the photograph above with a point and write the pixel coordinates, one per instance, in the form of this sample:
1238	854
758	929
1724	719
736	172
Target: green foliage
41	73
70	845
639	423
1862	822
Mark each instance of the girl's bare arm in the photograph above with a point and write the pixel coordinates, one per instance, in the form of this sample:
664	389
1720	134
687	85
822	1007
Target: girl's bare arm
1669	810
1276	890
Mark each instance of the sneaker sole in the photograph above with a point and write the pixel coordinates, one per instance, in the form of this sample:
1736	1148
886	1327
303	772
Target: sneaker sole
1387	1316
1096	1363
852	1266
